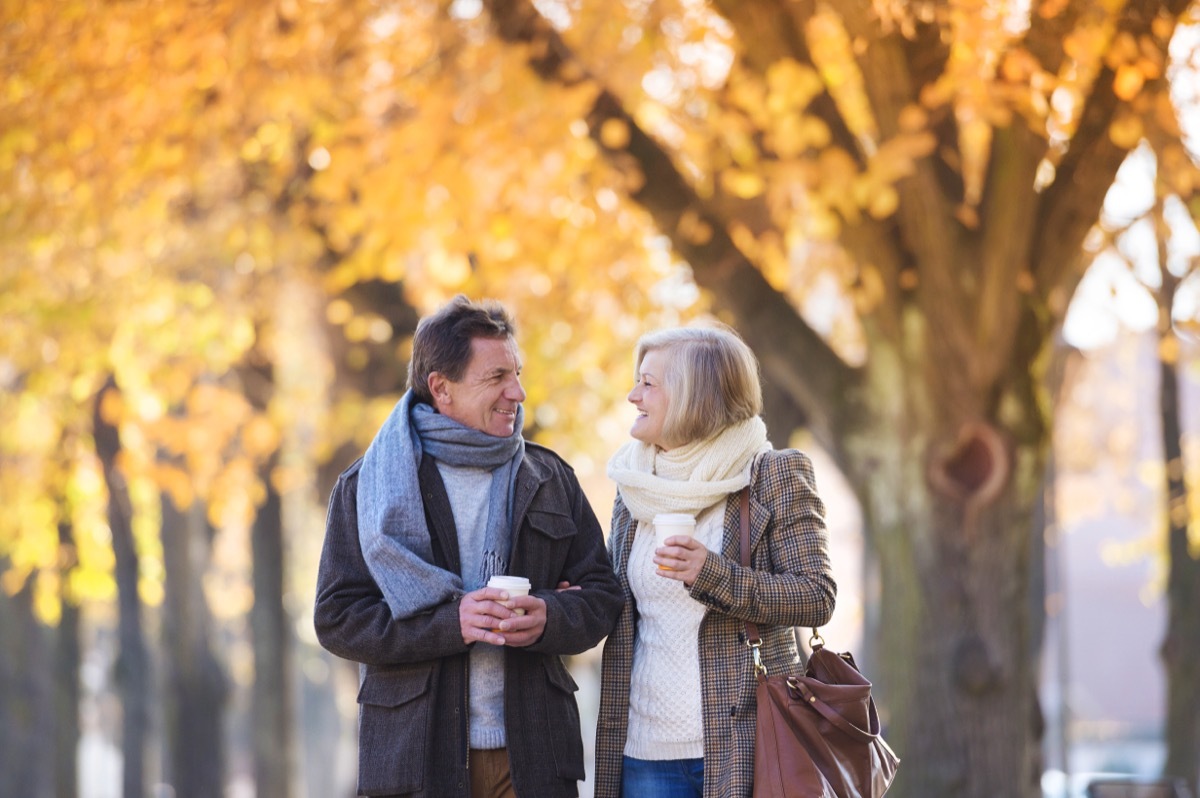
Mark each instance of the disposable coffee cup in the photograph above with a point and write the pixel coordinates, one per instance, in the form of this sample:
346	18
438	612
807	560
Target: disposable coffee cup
670	524
515	585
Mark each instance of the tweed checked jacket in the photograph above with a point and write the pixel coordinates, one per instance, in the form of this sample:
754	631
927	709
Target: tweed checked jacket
788	584
413	702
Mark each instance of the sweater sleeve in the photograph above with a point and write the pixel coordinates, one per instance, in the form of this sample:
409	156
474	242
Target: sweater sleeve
351	616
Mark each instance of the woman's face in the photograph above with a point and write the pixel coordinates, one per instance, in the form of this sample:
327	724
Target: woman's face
650	397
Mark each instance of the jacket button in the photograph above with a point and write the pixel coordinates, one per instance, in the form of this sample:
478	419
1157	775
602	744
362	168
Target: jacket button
733	712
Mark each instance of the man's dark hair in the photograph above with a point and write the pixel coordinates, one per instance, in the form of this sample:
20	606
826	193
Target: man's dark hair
442	342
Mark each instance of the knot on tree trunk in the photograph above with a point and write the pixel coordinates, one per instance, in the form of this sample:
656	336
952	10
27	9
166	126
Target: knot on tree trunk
975	669
974	468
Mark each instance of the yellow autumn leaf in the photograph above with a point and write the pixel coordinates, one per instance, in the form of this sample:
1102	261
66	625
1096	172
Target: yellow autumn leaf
614	134
791	86
1168	349
695	229
823	225
912	119
883	202
815	132
1190	327
260	438
741	183
1125	131
787	137
1128	81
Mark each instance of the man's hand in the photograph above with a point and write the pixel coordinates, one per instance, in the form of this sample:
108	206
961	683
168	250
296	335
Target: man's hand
524	630
480	614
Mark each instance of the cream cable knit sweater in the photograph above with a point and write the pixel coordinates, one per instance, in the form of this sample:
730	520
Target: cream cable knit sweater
664	695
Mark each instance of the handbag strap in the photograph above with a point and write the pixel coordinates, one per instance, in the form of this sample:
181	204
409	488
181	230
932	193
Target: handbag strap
753	639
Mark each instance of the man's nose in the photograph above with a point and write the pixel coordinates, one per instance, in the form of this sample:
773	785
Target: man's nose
515	392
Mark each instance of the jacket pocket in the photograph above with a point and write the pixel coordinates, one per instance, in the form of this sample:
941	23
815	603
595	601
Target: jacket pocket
555	526
393	729
562	713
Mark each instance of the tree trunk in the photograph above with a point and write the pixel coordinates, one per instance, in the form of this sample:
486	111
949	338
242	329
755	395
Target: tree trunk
270	625
133	662
67	661
26	704
198	687
949	500
272	650
13	713
1181	646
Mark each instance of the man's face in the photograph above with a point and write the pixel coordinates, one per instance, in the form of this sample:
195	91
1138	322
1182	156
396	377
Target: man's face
487	396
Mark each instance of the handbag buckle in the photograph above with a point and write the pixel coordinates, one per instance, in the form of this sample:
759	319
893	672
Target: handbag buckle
759	668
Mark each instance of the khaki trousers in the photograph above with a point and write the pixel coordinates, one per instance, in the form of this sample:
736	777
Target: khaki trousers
490	777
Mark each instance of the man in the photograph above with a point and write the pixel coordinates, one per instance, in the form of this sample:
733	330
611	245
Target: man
460	694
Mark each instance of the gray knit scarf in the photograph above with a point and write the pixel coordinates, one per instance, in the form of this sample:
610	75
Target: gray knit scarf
391	515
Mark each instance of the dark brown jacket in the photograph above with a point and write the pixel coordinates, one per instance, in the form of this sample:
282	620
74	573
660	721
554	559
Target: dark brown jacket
413	697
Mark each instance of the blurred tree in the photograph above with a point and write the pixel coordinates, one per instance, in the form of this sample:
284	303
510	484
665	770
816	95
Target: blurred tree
889	200
1149	238
1176	186
133	662
944	163
1181	643
198	687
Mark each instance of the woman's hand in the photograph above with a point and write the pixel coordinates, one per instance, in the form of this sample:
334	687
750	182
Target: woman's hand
681	558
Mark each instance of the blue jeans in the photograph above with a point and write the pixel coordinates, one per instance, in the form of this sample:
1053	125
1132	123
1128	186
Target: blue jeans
667	778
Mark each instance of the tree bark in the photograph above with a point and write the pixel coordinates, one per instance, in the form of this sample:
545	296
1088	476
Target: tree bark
271	625
1180	650
26	704
195	702
67	661
273	713
133	662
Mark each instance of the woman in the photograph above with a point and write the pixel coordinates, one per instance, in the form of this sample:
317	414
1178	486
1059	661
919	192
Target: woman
677	710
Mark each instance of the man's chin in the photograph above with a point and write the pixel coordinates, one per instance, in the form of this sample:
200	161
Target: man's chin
502	430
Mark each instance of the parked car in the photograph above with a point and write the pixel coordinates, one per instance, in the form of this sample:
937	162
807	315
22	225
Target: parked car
1091	784
1133	787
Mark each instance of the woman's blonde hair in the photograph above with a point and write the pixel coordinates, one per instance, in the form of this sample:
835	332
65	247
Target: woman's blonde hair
711	377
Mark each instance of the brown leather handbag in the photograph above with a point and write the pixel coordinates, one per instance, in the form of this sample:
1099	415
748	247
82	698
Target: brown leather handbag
817	733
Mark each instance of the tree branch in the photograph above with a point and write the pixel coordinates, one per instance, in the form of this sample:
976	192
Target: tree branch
769	323
1072	203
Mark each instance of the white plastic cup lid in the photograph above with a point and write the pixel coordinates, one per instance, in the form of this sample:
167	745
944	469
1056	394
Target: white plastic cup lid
503	581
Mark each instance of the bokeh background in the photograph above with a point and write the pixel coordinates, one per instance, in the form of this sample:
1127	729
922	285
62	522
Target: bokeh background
961	237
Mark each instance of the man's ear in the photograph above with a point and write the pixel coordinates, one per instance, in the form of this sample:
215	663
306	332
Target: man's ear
438	388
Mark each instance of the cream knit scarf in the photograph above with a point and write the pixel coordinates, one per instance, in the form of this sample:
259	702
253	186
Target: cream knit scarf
688	479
